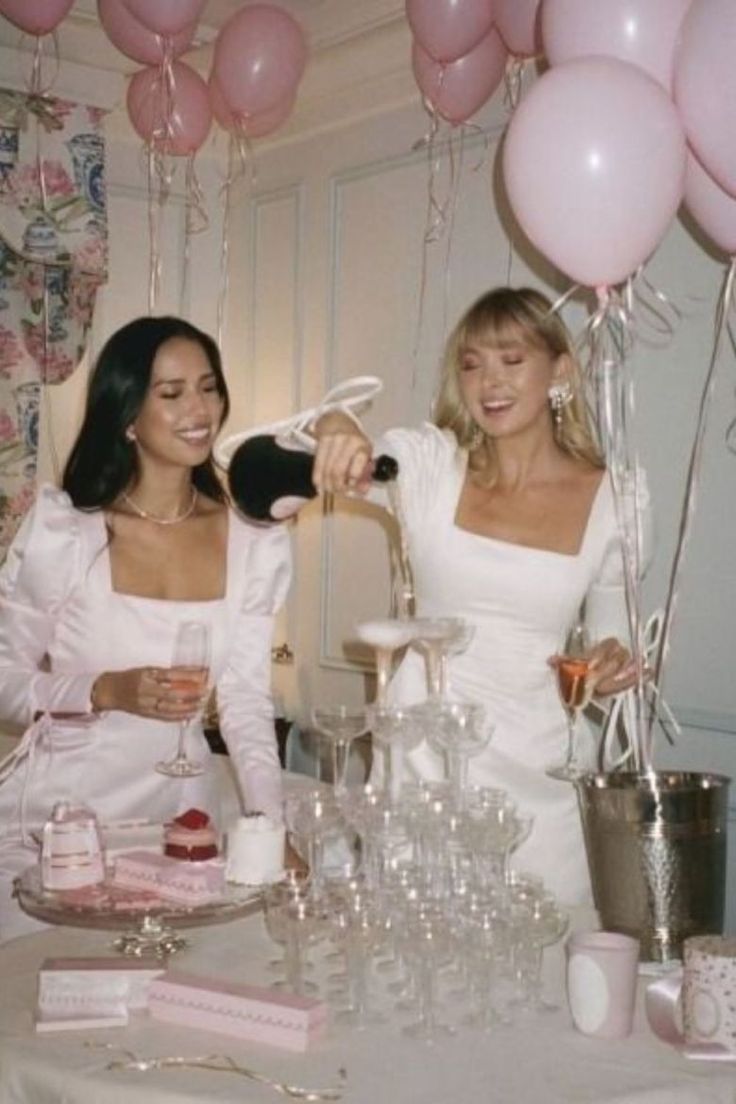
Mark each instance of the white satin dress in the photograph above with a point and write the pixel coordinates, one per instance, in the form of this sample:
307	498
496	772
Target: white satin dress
521	602
62	624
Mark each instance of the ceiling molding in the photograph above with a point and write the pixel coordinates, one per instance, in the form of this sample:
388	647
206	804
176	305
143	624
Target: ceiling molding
327	23
81	83
359	66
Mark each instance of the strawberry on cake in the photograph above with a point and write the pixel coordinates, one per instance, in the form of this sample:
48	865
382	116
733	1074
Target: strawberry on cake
191	837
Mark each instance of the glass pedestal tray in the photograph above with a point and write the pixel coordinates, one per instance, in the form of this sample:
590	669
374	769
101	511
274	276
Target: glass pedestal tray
150	928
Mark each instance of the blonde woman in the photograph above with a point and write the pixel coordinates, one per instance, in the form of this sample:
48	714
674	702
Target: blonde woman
511	525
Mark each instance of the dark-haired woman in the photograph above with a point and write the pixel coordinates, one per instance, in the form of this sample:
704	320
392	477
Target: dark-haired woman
99	578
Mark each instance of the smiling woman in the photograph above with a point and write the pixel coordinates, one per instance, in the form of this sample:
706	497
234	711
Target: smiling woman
100	579
511	524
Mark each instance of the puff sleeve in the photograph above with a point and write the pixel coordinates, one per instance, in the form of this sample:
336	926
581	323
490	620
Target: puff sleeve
606	613
41	569
423	456
244	697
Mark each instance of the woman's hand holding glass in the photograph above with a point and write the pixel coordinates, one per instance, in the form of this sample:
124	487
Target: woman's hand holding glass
192	660
585	669
160	693
571	670
610	668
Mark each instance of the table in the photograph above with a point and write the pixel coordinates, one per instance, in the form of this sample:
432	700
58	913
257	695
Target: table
541	1060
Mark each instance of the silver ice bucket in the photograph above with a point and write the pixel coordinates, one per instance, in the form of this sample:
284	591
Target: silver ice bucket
656	847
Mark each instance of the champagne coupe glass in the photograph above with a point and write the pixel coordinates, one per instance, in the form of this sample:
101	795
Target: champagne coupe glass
435	638
385	637
293	920
359	929
427	943
341	724
496	830
457	644
461	731
192	652
545	925
572	685
394	733
487	934
524	825
313	817
363	807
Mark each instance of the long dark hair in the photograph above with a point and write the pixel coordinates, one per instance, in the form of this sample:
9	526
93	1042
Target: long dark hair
103	462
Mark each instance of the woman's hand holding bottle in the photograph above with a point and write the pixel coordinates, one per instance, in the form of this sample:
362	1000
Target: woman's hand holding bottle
342	461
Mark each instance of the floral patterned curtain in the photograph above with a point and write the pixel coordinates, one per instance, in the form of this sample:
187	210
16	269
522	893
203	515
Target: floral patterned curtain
53	258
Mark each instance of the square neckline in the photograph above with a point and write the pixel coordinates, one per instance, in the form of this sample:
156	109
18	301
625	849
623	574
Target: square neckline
190	602
594	507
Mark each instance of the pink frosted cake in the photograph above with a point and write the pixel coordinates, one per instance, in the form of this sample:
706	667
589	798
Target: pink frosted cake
191	837
186	883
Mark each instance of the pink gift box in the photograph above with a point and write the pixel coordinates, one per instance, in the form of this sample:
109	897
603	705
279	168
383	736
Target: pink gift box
231	1008
187	883
61	981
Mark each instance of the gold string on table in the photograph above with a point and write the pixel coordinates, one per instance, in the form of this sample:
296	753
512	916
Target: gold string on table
219	1063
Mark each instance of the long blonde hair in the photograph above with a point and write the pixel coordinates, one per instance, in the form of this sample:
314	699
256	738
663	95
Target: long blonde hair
502	312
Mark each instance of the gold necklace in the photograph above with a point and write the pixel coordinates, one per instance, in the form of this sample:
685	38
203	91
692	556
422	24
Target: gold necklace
159	520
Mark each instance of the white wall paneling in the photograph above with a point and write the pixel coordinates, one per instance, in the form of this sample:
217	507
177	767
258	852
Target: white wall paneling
274	305
268	368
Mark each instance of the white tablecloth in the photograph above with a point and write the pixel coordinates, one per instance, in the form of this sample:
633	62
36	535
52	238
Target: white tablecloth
541	1060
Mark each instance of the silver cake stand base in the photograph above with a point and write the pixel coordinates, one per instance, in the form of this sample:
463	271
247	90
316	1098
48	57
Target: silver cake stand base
152	937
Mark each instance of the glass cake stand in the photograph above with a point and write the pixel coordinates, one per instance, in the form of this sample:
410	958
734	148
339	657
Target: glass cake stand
149	927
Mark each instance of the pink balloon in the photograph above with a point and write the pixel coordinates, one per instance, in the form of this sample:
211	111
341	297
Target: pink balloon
250	126
644	32
260	55
449	29
133	39
594	165
705	86
713	209
36	17
518	24
220	110
187	107
165	17
458	89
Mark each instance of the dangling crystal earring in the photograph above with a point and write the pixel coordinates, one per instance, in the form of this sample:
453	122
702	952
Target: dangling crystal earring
560	395
476	439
